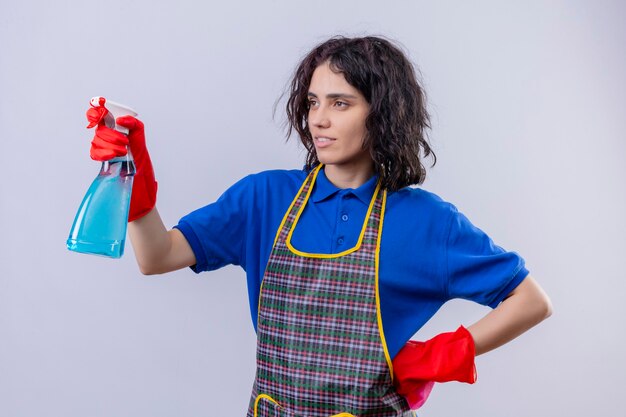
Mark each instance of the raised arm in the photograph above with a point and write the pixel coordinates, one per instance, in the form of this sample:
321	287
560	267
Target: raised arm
157	250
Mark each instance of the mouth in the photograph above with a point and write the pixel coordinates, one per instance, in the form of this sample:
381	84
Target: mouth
323	139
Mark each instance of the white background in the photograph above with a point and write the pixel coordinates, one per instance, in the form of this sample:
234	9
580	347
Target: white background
528	109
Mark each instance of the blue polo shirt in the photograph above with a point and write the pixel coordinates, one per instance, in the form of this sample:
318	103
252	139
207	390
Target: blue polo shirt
430	252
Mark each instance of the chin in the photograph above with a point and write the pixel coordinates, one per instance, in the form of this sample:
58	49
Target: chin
324	159
327	161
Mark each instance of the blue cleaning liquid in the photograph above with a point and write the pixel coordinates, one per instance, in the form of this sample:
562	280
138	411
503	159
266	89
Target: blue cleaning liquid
100	224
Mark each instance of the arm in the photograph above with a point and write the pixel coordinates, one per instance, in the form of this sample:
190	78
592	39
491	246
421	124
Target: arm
450	356
524	307
156	249
476	270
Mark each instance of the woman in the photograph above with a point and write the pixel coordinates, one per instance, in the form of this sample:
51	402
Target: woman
345	261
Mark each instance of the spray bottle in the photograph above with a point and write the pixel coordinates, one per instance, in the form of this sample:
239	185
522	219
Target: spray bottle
100	224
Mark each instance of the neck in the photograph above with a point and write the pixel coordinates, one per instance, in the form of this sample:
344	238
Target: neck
348	177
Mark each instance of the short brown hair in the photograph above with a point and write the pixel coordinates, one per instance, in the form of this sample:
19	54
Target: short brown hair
398	119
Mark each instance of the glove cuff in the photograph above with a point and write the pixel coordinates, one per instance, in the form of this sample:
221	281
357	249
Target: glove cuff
462	345
143	197
445	357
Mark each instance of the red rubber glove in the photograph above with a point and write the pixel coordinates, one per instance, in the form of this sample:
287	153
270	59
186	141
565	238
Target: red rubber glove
445	357
109	143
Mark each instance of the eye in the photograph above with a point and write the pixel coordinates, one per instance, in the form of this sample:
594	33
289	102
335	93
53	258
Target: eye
312	102
341	104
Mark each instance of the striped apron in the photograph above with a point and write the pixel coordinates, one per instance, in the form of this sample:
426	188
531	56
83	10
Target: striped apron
321	350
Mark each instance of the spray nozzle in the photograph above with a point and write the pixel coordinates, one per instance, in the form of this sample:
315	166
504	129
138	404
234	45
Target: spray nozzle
115	110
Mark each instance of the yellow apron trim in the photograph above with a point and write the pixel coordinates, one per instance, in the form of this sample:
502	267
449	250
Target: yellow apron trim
267	397
334	255
282	223
261	396
329	255
378	314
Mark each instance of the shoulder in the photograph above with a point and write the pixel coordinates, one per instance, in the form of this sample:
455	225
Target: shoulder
274	180
267	189
253	197
418	218
419	201
277	177
272	184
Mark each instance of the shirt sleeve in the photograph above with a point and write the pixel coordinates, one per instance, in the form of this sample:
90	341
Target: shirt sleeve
217	232
477	269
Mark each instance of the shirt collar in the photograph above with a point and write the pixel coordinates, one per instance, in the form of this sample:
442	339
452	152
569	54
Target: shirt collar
324	189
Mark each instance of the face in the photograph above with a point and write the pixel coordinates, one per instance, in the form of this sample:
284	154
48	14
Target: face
337	113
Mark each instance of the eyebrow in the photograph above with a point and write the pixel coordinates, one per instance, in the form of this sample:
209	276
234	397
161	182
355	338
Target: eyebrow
334	95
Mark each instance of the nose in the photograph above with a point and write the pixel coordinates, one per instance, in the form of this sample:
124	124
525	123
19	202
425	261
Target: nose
319	118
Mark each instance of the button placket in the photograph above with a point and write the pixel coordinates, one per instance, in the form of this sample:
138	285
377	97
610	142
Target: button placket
342	218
